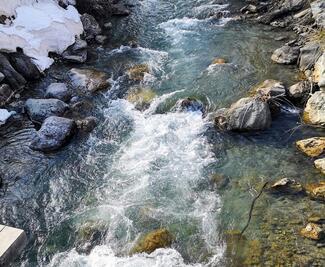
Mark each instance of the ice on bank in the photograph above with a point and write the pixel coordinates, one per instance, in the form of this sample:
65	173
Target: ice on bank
38	27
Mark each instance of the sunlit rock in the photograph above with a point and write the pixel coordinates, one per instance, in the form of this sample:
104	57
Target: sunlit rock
320	165
313	231
138	72
160	238
286	186
314	112
286	55
317	190
312	147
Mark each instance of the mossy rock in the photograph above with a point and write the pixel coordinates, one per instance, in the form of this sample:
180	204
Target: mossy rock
141	97
160	238
137	72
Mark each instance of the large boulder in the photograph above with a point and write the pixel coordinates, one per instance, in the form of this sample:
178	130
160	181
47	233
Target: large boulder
318	10
54	133
58	91
245	115
189	104
160	238
309	54
14	79
314	112
24	65
320	165
312	147
89	80
40	109
286	55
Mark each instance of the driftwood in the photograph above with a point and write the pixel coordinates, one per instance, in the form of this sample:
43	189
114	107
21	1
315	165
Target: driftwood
252	207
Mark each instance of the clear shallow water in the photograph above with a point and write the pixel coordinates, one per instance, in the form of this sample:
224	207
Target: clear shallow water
139	171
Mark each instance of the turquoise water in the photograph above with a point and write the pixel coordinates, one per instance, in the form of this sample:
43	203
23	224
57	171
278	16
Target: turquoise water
144	170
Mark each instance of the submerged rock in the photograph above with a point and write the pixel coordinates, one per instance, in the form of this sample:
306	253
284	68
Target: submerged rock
286	55
160	238
247	114
89	80
313	231
316	191
269	89
219	61
137	72
189	105
54	133
312	147
314	112
141	97
320	165
40	109
286	186
58	91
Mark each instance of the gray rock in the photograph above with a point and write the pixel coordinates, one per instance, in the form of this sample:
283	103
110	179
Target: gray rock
2	76
309	54
108	25
91	26
40	109
79	45
300	90
54	133
58	91
81	57
5	93
286	55
247	114
100	39
87	124
14	79
318	10
270	89
24	65
89	80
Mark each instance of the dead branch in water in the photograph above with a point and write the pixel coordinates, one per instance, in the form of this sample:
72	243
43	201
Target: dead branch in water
252	207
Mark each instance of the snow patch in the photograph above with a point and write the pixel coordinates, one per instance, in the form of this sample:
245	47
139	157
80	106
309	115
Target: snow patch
39	27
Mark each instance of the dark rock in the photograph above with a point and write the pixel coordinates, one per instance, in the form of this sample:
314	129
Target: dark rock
189	105
87	124
77	52
54	133
247	114
40	109
318	10
100	39
14	79
120	10
5	93
286	55
309	54
100	9
91	26
24	65
58	91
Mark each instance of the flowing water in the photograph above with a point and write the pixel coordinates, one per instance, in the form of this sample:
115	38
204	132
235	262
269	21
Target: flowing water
144	170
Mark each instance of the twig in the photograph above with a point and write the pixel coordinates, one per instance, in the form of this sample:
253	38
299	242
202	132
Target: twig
252	207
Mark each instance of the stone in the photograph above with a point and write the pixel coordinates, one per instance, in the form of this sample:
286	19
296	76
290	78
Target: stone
12	243
100	39
247	114
269	89
13	78
54	134
286	55
316	191
320	165
79	45
300	90
137	72
5	93
314	112
219	61
312	147
40	109
2	77
319	72
24	65
141	97
108	25
89	80
309	54
80	57
91	26
87	125
249	9
4	116
318	10
58	91
313	231
160	238
189	105
287	186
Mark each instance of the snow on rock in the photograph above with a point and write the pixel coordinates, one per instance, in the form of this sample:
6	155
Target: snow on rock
4	116
39	27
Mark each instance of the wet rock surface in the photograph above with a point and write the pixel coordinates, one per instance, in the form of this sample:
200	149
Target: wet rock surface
312	147
286	55
40	109
54	133
316	191
58	91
